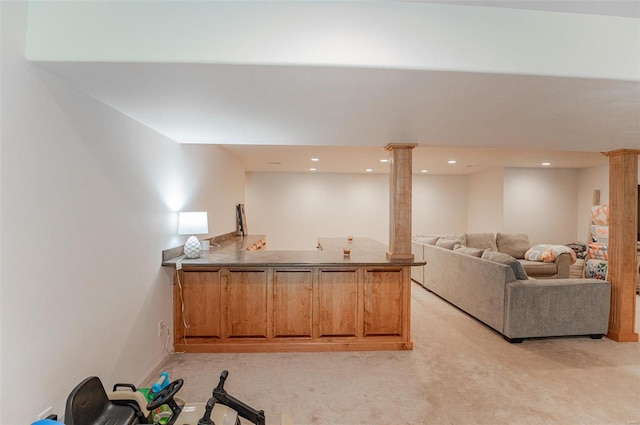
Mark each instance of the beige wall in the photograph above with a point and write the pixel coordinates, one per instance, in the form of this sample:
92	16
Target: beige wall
439	204
590	179
89	201
486	201
543	203
294	209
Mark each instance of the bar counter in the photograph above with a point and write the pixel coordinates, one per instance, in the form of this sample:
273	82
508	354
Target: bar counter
235	252
240	297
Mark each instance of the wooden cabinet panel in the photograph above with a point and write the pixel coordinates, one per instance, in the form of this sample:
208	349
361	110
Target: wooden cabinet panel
261	309
383	302
201	294
337	303
292	303
246	303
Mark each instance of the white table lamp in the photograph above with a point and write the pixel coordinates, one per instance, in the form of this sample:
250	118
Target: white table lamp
193	223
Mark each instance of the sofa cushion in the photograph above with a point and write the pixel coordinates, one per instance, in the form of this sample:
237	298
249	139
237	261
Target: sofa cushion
429	240
447	243
539	269
475	252
462	237
506	259
514	245
482	241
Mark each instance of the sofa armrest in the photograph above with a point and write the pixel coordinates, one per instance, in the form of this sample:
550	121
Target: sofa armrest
563	262
556	307
417	272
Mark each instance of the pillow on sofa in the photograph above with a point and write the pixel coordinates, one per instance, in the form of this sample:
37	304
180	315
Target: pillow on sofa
447	243
548	253
508	260
514	245
482	241
427	240
474	252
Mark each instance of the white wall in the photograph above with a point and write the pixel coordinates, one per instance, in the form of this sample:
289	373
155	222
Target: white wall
294	209
407	35
541	203
486	201
89	200
439	204
590	179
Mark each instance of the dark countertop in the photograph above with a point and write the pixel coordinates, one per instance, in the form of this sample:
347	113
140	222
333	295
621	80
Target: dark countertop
233	253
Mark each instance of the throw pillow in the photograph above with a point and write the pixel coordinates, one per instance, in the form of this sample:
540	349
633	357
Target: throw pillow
508	260
540	253
596	269
447	243
474	252
482	241
600	215
514	245
427	240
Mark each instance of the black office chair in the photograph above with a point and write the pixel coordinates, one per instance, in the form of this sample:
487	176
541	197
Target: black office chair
88	404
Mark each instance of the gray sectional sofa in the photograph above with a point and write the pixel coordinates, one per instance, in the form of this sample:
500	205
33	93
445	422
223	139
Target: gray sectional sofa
515	245
494	289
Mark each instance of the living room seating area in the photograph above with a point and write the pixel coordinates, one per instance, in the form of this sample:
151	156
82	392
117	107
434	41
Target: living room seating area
493	286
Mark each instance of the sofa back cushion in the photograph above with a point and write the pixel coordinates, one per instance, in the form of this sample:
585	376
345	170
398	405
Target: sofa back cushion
508	260
475	252
447	243
461	237
514	245
482	241
428	240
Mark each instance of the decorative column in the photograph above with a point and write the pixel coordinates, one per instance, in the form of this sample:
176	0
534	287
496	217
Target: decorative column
623	216
400	201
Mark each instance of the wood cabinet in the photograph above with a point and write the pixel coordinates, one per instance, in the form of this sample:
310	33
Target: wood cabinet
253	309
238	297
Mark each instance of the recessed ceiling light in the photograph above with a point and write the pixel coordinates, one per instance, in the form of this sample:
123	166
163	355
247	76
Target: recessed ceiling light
545	164
424	171
312	169
315	159
451	161
368	170
384	160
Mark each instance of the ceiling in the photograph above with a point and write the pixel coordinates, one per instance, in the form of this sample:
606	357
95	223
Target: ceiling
268	114
621	8
359	159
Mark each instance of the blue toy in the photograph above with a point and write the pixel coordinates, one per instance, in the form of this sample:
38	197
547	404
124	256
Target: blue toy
163	381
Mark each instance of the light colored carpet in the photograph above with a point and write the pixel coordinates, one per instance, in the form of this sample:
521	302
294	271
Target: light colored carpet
460	372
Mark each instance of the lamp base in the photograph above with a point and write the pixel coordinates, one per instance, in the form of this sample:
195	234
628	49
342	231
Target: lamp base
192	247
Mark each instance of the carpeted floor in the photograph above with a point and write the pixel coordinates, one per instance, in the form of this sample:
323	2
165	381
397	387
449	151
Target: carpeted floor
460	372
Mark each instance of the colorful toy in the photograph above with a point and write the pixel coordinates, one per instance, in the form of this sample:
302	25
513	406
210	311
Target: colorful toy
131	407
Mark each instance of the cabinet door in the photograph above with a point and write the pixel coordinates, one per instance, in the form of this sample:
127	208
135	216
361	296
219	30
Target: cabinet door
202	308
383	298
247	303
337	303
292	302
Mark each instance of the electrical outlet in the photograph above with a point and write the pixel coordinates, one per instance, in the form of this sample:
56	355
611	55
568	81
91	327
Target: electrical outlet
179	265
46	412
161	327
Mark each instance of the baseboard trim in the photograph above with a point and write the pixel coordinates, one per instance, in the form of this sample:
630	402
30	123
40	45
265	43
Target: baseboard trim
151	374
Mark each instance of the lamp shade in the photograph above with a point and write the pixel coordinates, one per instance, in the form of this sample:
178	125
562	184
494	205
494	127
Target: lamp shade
193	223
